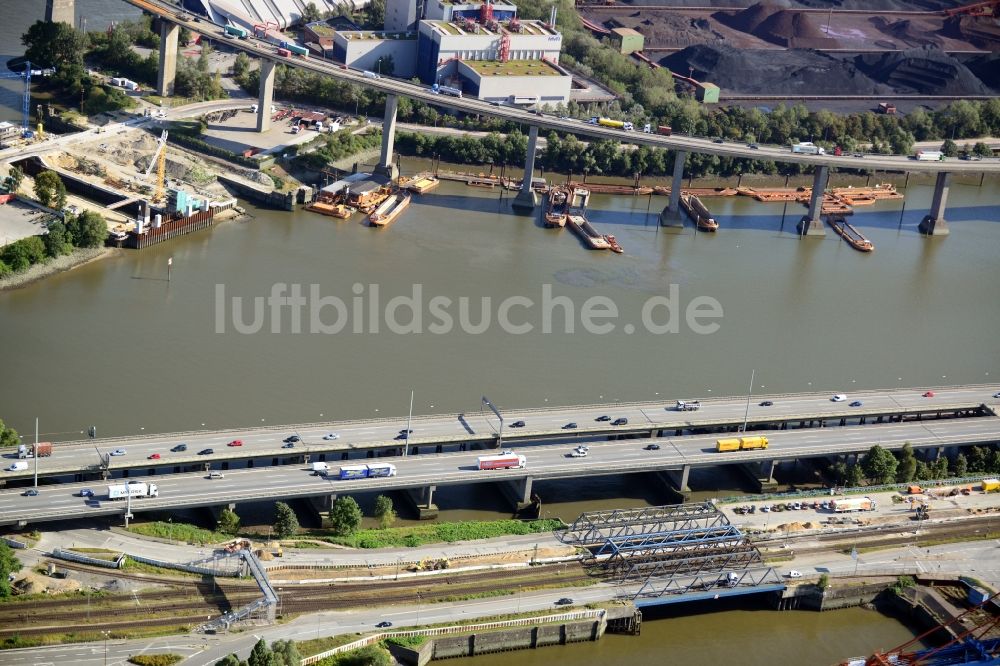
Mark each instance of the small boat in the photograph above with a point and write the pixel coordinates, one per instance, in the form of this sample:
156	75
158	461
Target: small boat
389	210
849	233
615	247
422	184
555	215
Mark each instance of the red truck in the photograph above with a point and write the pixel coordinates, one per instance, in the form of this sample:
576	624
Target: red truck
44	450
285	53
663	129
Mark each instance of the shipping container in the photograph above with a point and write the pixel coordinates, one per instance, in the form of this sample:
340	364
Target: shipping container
285	53
242	33
845	504
991	485
741	443
354	472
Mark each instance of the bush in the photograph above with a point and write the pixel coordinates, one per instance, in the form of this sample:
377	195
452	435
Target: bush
22	253
418	535
155	659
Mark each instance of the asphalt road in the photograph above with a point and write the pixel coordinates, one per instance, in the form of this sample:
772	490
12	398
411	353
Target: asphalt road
543	462
482	426
263	49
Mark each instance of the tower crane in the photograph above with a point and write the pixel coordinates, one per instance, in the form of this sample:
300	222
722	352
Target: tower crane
26	74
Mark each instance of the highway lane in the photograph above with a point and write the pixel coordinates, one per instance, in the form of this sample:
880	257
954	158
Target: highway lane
483	427
543	462
262	49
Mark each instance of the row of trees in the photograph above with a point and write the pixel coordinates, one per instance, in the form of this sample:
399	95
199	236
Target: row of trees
880	466
8	564
280	653
338	146
345	516
8	436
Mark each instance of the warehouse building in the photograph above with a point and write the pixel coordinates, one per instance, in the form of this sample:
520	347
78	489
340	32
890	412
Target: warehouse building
526	82
361	49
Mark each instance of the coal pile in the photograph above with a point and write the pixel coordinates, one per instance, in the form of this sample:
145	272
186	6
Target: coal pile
980	32
904	31
987	69
793	72
778	25
924	71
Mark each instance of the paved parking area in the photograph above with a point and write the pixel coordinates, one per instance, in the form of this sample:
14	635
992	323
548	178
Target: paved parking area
19	220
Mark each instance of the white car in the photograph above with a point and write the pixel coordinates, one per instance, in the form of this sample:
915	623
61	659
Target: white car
118	452
332	436
794	574
997	394
577	453
839	397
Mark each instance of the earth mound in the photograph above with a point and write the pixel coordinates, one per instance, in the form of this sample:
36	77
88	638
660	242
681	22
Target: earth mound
796	72
924	71
777	24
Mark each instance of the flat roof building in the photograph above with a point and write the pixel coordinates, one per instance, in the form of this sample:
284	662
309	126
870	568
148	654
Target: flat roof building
529	82
362	49
627	40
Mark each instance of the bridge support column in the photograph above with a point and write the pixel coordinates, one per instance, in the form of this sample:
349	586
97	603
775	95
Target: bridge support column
934	223
423	501
671	215
518	491
168	58
761	474
386	167
675	482
60	11
526	200
265	95
811	224
321	504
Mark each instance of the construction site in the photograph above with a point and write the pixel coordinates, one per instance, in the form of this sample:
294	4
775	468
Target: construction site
880	49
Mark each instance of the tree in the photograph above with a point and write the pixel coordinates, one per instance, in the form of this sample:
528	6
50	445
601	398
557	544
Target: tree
385	65
230	660
60	196
982	149
8	565
16	177
854	476
241	66
285	653
46	185
879	465
384	511
375	13
22	253
345	515
57	241
286	523
939	468
907	465
960	466
88	229
994	463
949	148
261	654
185	36
229	522
8	436
5	270
311	13
53	45
838	471
922	472
979	459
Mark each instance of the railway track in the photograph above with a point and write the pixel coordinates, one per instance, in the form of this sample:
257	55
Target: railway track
733	10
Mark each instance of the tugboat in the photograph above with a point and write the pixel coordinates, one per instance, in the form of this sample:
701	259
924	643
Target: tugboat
555	215
615	247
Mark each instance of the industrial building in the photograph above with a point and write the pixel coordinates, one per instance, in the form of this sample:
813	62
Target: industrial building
527	82
279	14
361	49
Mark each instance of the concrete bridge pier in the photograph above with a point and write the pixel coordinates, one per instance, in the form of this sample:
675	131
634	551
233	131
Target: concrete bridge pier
60	11
265	95
321	505
934	224
168	58
386	167
762	474
675	482
671	215
526	199
518	491
811	224
422	500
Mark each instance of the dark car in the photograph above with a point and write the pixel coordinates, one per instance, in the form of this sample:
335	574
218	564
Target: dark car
603	418
30	492
206	452
569	426
620	421
86	492
753	146
404	431
180	447
652	447
401	436
292	438
859	154
718	139
383	624
288	445
856	403
517	424
565	601
767	403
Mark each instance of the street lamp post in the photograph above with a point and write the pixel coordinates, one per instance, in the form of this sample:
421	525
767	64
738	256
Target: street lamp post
106	634
406	450
746	415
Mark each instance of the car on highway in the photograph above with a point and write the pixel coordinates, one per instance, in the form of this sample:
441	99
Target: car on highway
153	456
652	447
766	403
858	155
620	421
569	426
292	438
206	452
997	394
603	418
576	453
718	139
404	431
794	574
86	492
235	442
929	394
565	601
180	447
517	424
753	146
118	452
838	397
288	445
30	492
331	436
384	624
857	403
216	474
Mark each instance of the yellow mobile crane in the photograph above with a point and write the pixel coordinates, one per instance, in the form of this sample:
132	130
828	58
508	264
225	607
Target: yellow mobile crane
160	159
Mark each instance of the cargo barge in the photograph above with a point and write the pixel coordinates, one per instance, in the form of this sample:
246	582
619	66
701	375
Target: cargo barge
698	212
849	233
558	208
422	184
582	228
339	210
390	209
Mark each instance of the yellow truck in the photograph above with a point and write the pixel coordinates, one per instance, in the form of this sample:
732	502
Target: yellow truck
991	485
741	443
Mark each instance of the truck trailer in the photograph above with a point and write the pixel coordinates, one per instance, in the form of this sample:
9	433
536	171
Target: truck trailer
845	504
991	485
438	89
807	148
688	405
295	48
348	472
929	156
237	31
134	490
28	450
741	443
502	461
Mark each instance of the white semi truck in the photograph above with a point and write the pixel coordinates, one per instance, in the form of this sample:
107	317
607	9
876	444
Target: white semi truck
134	490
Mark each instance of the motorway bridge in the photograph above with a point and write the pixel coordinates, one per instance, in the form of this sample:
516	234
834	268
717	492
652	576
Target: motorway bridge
173	19
423	473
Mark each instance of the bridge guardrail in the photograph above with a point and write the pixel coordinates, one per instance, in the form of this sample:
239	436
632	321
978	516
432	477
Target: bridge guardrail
178	566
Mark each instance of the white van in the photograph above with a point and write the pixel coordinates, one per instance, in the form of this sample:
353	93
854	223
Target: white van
320	468
370	75
838	397
18	467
